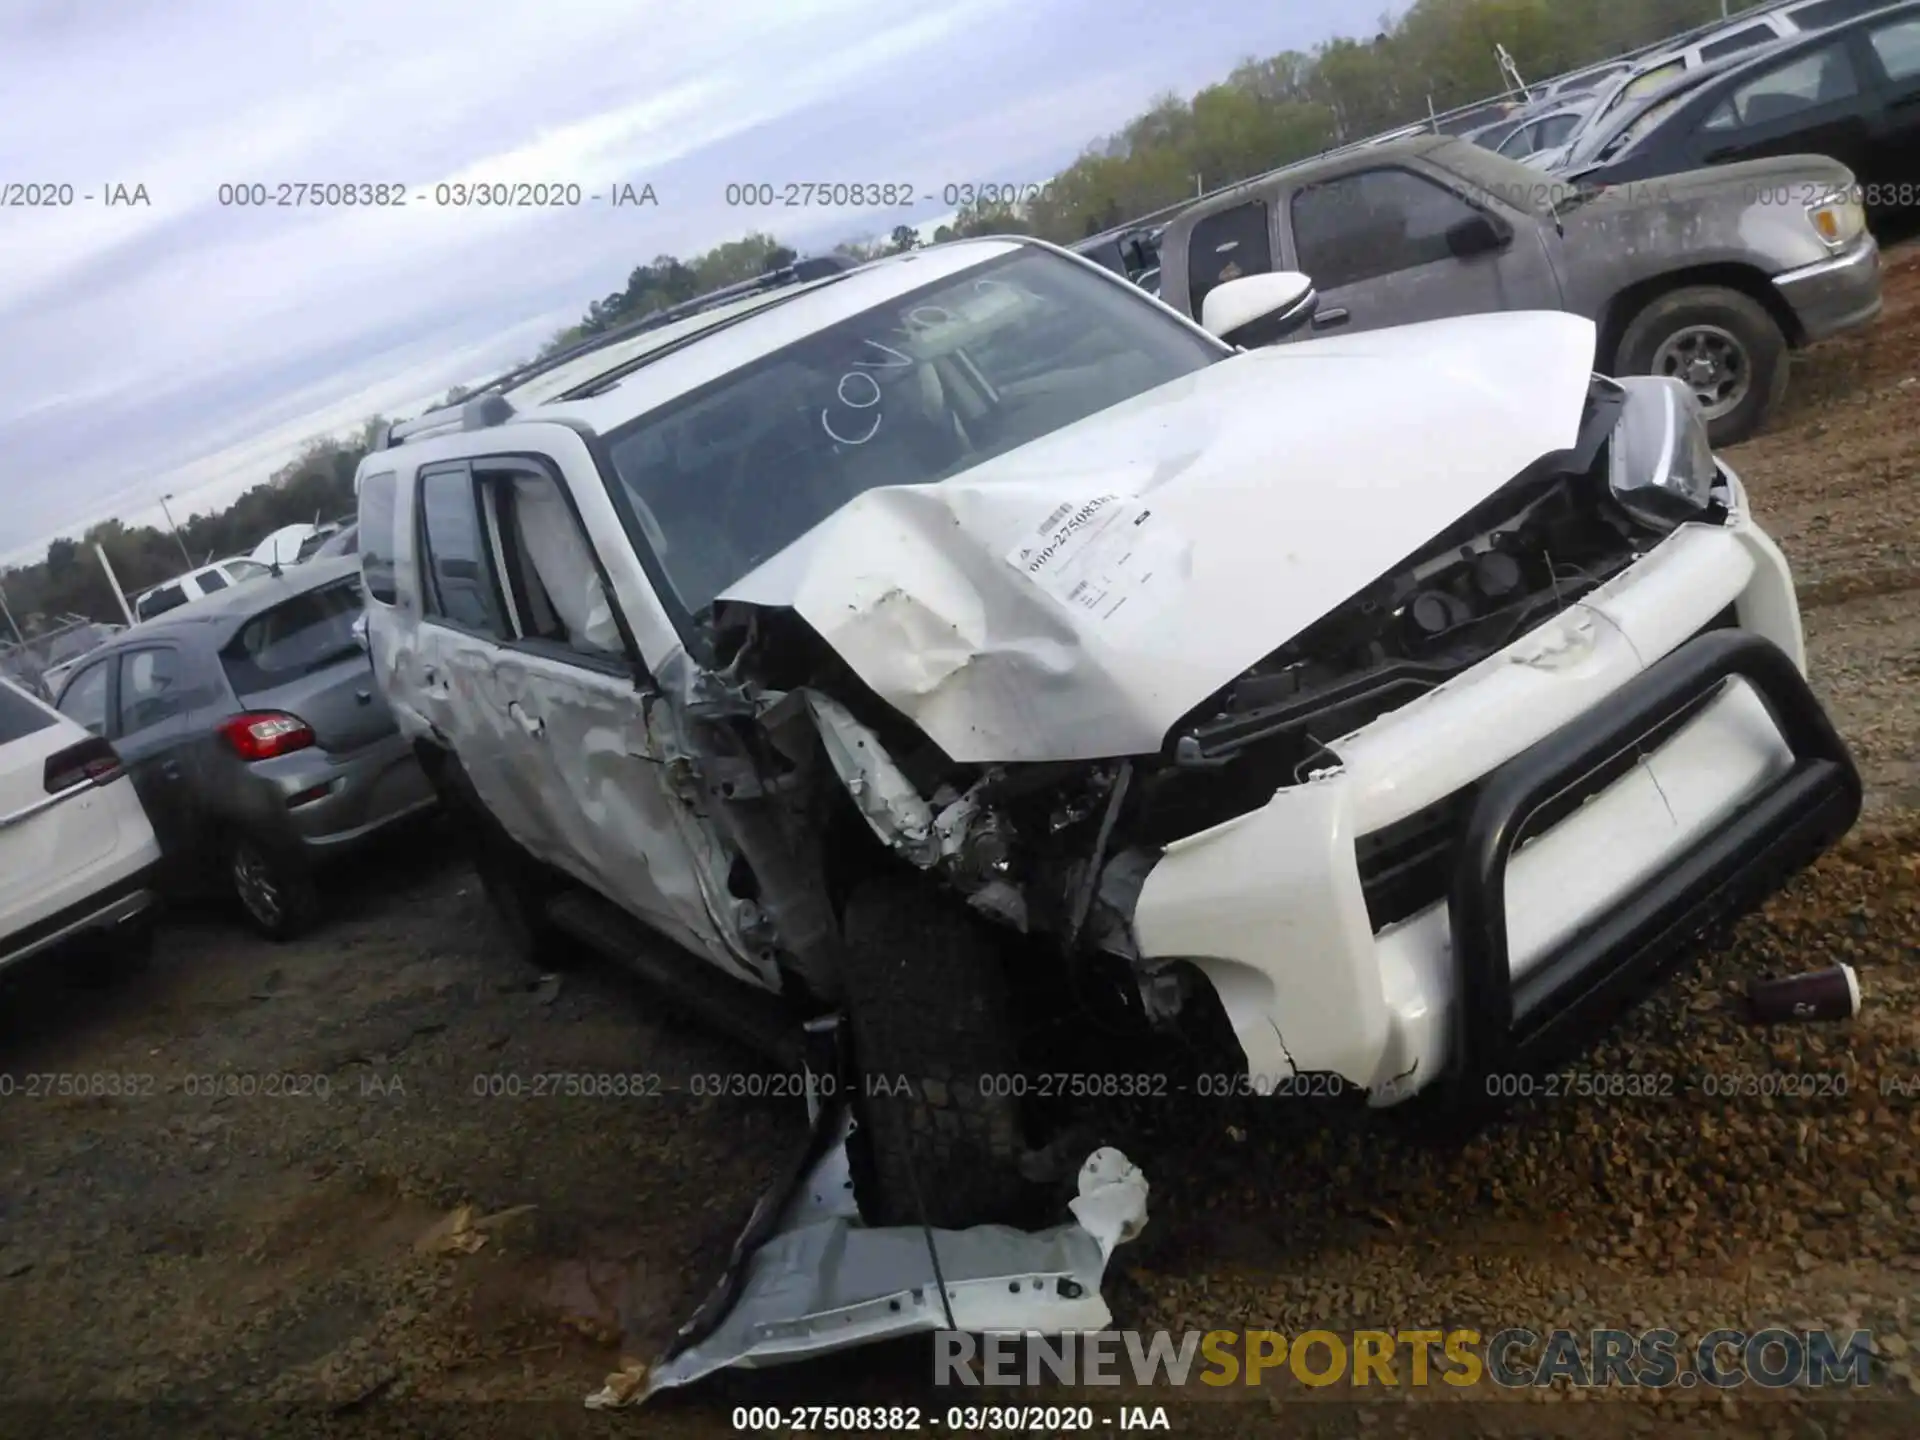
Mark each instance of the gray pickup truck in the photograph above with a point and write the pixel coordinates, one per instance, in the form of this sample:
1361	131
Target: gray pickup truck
1712	276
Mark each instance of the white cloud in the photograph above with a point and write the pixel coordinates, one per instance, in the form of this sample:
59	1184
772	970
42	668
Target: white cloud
190	347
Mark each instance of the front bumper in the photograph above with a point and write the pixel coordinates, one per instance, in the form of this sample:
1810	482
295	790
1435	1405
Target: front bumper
1690	823
1834	294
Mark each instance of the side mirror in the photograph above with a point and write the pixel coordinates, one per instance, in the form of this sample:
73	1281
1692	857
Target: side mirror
360	633
1479	235
1259	309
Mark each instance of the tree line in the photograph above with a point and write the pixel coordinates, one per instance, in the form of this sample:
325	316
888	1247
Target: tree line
317	484
1438	55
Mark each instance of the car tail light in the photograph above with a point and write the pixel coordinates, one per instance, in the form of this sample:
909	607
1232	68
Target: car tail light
262	734
91	762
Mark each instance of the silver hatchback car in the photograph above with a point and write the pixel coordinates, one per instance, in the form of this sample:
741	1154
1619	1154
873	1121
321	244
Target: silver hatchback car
254	733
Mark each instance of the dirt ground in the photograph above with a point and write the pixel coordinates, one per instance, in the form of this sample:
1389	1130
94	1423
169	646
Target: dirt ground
260	1225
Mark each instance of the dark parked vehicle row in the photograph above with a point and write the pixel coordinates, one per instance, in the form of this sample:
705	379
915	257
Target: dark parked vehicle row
254	734
1851	93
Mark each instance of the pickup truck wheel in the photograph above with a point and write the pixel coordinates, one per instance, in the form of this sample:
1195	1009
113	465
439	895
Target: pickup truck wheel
276	891
1723	344
926	1002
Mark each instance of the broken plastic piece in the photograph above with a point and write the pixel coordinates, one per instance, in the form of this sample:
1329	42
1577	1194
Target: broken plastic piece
823	1281
1830	994
895	810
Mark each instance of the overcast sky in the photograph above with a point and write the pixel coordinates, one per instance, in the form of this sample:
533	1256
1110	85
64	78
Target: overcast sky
186	347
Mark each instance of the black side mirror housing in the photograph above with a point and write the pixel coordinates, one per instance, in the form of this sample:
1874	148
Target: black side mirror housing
1479	235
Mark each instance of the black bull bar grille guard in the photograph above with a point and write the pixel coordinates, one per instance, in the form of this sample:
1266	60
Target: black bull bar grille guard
1502	1025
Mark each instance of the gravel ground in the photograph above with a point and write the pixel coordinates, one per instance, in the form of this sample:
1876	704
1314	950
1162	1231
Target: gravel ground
410	1253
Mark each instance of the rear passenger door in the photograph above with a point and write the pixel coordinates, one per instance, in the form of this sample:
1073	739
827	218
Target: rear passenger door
1376	245
556	710
457	650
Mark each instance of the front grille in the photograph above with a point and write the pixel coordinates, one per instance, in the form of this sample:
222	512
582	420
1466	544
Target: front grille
1408	865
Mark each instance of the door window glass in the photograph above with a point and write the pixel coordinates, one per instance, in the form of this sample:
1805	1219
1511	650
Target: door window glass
1226	246
149	690
85	700
1898	46
456	552
1373	223
1785	90
376	537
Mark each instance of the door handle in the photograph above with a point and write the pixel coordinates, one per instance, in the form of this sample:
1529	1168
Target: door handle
1327	319
528	721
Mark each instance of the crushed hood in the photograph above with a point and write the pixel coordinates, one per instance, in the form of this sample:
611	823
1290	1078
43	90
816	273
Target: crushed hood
1075	597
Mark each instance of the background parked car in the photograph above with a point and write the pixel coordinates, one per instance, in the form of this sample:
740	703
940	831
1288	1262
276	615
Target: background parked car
194	585
344	541
1624	99
255	736
1606	129
1545	128
282	547
1744	35
77	855
1707	280
1851	93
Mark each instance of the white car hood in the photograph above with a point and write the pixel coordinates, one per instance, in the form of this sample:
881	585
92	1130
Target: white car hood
1075	597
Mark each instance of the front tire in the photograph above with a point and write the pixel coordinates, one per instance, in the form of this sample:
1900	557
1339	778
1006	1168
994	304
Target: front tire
276	890
927	1005
1723	344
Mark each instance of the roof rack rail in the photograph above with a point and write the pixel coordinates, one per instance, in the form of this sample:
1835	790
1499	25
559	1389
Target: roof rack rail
477	412
486	405
799	272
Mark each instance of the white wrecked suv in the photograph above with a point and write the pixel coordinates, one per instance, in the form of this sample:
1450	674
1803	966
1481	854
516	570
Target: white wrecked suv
887	639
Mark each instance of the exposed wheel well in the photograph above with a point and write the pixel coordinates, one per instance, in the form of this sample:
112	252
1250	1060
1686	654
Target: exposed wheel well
1635	298
850	851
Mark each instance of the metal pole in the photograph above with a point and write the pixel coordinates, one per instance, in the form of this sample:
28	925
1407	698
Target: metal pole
7	611
114	581
176	531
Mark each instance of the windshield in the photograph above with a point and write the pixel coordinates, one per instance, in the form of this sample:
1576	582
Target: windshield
908	393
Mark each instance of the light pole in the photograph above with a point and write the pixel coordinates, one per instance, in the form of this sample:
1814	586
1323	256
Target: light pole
176	531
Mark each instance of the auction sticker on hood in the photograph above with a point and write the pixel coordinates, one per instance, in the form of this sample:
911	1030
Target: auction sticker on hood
1109	556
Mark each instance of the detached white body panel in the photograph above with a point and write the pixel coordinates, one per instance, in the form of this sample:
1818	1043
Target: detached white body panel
1269	905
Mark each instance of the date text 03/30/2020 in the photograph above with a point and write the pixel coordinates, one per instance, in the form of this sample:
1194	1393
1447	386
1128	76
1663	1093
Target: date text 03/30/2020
955	1419
447	195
